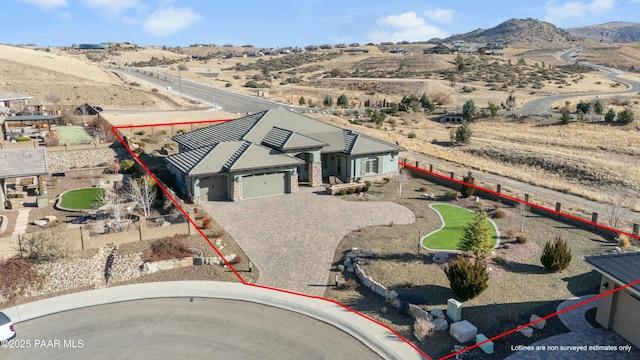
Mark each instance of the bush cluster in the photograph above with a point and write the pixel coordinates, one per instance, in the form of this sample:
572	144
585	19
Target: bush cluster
467	280
556	256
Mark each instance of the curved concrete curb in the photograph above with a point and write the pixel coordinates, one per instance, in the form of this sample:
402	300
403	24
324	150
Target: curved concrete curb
377	338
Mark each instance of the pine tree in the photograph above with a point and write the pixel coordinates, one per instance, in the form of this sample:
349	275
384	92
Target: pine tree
610	116
467	190
477	235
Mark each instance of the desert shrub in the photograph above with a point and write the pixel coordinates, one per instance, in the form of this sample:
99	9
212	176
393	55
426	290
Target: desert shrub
126	166
467	280
44	246
17	275
522	239
384	310
206	223
386	180
228	84
556	256
367	182
467	190
423	328
167	248
511	233
450	194
164	132
236	260
624	240
103	164
196	210
350	284
412	135
358	189
500	213
406	284
217	234
155	90
351	191
23	139
342	192
365	188
424	189
500	260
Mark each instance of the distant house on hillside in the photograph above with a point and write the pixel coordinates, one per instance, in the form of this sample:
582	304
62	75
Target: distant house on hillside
13	101
441	48
364	51
398	51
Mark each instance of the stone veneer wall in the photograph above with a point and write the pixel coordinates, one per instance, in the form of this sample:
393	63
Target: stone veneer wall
237	191
294	183
315	174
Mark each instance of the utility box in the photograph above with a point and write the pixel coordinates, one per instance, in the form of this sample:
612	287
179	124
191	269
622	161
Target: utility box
454	310
463	331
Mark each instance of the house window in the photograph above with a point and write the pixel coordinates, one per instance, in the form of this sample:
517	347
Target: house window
371	166
325	161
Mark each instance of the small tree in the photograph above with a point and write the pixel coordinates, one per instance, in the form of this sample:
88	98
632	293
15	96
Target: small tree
44	246
302	101
142	191
625	116
126	166
467	280
477	235
565	118
610	115
343	100
461	135
556	256
467	190
597	107
468	109
583	107
511	103
328	101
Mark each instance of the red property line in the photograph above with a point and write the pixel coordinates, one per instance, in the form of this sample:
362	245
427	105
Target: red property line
533	205
115	131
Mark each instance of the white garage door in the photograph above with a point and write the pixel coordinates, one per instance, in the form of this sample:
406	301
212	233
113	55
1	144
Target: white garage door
263	185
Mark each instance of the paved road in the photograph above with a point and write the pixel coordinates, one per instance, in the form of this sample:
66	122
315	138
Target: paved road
542	105
182	328
226	100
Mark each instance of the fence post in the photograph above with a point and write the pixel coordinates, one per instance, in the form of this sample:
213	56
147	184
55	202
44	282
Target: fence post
636	229
81	238
526	197
594	217
431	167
498	188
140	232
452	175
558	207
417	164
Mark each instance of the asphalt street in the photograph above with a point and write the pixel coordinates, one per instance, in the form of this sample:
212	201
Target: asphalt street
186	328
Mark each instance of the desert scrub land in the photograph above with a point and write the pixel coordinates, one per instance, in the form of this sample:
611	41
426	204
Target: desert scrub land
518	287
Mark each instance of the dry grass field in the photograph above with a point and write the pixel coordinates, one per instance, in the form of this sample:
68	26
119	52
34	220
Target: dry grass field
585	158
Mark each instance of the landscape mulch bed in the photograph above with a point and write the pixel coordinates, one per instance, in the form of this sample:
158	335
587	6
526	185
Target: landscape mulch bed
517	289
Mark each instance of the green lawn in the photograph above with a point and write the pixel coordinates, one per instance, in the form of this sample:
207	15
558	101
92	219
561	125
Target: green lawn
75	134
455	219
82	199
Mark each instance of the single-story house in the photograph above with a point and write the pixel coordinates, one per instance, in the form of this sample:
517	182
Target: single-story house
270	153
619	311
21	163
441	49
14	101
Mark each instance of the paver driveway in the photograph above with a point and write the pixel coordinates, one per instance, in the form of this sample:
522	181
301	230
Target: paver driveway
292	238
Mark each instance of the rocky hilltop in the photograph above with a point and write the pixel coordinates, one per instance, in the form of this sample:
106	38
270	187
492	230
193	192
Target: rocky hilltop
515	30
609	32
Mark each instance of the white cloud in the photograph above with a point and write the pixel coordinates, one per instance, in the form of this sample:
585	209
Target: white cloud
407	26
576	9
46	4
442	15
113	7
169	20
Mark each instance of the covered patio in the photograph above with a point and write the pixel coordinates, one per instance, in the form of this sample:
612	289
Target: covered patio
21	173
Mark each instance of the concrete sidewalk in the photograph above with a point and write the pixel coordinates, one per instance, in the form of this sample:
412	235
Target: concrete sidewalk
377	338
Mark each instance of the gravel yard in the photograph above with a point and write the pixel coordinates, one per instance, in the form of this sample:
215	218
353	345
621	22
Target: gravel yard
516	290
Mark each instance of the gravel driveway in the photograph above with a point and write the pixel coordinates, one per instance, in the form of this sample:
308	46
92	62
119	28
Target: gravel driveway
292	238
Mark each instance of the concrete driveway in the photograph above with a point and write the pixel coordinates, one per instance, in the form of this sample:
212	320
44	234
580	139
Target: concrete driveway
292	238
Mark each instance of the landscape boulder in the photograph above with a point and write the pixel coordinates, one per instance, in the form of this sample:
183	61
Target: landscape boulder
440	257
527	332
539	325
437	313
441	324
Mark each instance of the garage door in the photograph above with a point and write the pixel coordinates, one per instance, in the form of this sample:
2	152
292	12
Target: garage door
263	185
213	188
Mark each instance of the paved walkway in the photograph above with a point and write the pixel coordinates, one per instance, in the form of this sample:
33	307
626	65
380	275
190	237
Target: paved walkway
21	222
582	333
292	238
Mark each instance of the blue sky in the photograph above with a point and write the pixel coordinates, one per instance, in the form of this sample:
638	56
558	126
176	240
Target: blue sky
277	23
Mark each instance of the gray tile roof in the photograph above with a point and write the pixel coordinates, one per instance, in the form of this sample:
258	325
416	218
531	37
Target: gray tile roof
229	156
23	162
283	139
258	127
623	267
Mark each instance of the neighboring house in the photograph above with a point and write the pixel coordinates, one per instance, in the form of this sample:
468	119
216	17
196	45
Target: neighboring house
441	49
452	118
20	163
619	311
270	153
14	101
